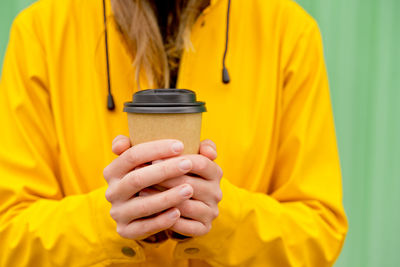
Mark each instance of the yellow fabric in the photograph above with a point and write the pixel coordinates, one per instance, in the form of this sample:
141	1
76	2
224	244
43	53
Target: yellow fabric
273	125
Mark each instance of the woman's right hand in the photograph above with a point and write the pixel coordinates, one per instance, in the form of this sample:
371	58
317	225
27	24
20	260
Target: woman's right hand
138	217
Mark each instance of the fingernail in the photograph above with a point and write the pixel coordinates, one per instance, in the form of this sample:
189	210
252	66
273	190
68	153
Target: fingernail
212	150
173	214
177	147
185	165
115	139
115	144
186	191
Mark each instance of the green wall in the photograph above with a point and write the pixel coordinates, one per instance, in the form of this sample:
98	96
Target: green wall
8	10
362	49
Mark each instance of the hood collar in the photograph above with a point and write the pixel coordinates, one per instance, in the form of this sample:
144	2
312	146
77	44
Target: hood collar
206	10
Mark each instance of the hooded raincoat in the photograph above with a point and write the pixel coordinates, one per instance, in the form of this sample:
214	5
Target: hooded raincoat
273	125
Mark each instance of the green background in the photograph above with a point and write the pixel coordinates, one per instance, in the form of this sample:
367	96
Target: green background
362	50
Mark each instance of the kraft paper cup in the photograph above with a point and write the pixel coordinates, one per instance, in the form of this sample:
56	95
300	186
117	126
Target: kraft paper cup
165	114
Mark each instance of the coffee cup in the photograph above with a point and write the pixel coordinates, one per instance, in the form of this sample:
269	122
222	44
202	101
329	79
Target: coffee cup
156	114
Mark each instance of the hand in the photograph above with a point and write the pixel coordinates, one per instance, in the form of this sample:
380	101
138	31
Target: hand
197	213
138	217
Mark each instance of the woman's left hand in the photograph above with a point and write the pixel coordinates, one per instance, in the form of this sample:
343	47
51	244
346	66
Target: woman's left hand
197	213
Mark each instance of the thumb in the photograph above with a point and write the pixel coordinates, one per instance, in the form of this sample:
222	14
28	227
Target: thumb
208	149
120	144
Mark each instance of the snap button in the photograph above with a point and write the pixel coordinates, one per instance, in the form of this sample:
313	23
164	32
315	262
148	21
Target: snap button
191	251
127	251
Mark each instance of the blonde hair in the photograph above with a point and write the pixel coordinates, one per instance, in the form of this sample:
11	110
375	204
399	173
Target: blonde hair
138	22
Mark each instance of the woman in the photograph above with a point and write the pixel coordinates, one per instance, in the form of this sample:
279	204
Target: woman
279	200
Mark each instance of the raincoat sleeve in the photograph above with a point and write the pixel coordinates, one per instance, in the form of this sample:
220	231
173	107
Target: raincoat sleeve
39	225
300	221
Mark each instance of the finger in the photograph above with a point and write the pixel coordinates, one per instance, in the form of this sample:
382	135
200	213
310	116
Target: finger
205	168
137	180
208	150
203	190
210	143
192	228
120	144
143	228
140	154
198	211
140	207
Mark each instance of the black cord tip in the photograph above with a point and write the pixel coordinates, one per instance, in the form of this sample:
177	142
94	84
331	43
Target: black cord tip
225	76
110	102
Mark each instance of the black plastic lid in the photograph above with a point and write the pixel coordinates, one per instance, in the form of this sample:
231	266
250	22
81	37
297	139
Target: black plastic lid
164	101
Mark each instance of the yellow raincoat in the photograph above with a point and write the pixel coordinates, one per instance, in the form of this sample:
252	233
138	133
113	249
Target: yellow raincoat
273	126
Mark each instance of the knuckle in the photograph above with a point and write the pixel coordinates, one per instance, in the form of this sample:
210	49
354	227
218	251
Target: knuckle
165	199
161	223
135	180
109	195
192	229
218	195
163	169
206	227
107	173
187	180
133	157
169	200
145	229
114	213
186	208
143	209
220	173
202	163
201	229
215	213
121	230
